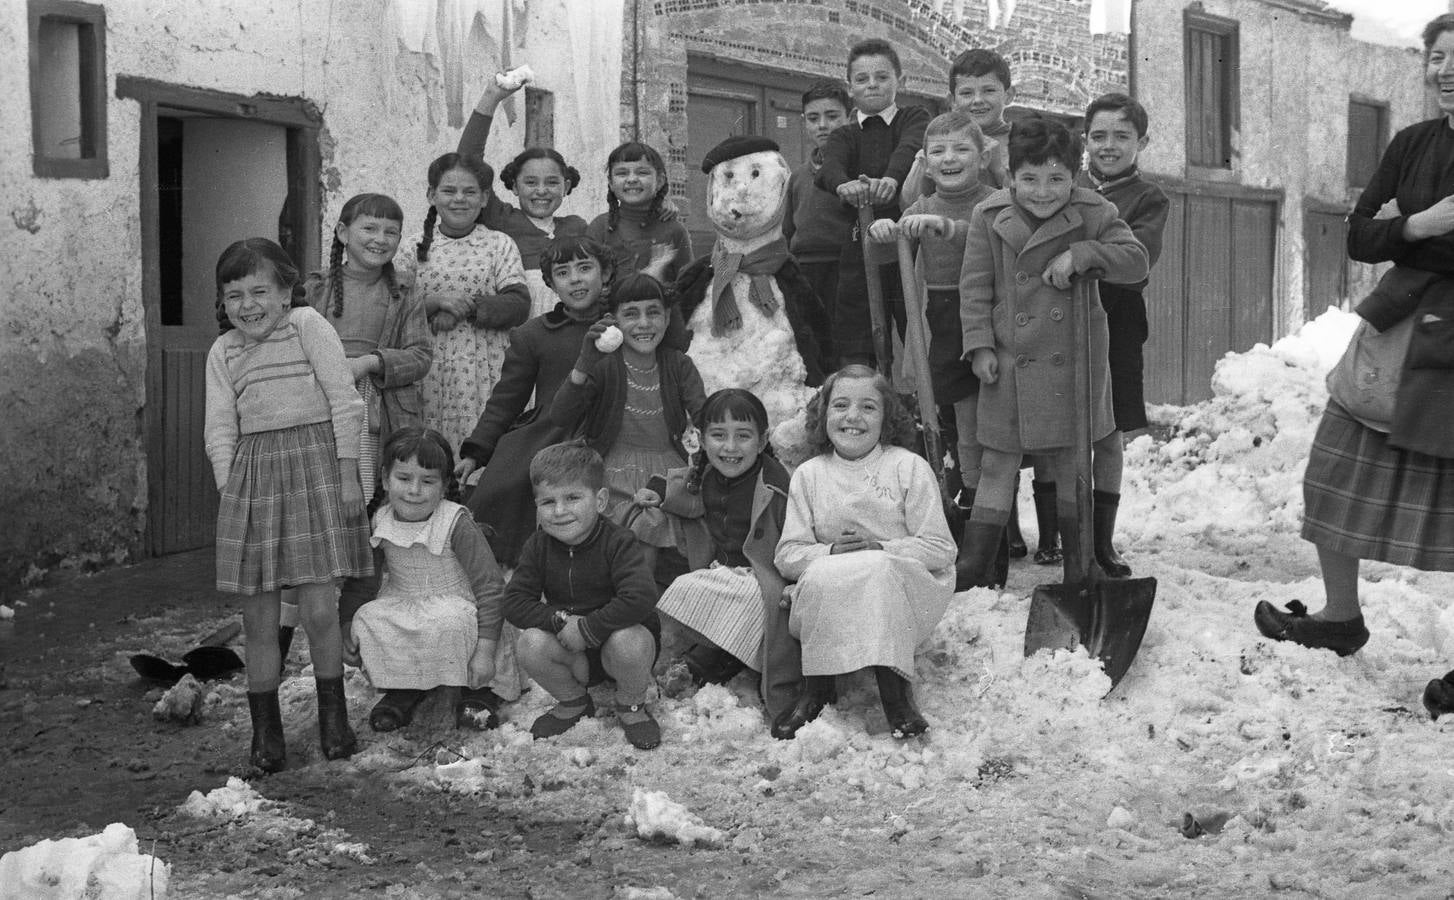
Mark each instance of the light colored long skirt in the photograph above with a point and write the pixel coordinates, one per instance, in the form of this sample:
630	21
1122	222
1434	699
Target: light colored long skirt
721	603
867	608
408	643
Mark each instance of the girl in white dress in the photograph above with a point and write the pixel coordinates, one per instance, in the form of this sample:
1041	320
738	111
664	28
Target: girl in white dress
866	541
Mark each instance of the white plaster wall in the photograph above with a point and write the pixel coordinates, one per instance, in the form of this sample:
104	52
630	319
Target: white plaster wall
72	341
1296	74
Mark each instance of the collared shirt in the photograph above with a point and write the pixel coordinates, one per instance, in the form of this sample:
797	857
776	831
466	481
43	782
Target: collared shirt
887	114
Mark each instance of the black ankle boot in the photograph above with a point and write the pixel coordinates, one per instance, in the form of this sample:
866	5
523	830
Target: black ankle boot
285	643
394	710
1015	541
816	692
983	557
268	751
1047	520
708	664
897	698
1104	505
1439	696
333	732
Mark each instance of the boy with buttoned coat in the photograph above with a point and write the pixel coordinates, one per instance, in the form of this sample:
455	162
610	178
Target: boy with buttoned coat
1026	243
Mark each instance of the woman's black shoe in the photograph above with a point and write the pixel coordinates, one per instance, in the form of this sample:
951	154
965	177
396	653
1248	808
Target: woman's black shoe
478	708
816	693
708	664
1439	696
897	698
1294	624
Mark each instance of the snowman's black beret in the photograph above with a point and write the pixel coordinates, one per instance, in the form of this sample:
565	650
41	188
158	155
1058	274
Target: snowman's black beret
735	146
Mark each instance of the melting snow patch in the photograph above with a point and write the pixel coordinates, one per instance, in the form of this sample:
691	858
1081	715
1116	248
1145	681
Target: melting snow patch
655	816
104	866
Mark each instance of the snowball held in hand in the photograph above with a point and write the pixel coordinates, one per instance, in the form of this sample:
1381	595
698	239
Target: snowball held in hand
610	339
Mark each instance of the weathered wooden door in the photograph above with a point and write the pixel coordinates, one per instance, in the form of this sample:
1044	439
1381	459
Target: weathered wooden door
215	168
1325	268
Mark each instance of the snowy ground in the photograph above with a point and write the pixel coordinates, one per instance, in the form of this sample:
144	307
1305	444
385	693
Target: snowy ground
1313	775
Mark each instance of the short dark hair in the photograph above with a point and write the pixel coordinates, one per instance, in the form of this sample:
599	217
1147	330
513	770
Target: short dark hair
828	89
953	122
638	286
1037	141
257	256
1437	26
571	247
874	47
427	447
979	61
1124	104
571	462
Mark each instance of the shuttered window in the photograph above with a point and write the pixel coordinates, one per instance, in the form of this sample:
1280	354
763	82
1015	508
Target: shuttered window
68	89
1211	90
1367	136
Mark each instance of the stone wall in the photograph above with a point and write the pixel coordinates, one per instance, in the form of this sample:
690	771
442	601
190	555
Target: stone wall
73	345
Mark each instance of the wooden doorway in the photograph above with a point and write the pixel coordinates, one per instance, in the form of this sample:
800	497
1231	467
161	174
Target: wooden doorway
214	168
1325	259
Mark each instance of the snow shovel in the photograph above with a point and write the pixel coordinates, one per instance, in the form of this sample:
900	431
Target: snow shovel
916	351
1106	616
877	315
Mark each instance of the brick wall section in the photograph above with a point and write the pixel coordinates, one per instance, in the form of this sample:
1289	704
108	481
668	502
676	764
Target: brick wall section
1058	65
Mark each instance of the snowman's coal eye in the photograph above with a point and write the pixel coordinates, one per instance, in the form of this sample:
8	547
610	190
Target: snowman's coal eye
756	172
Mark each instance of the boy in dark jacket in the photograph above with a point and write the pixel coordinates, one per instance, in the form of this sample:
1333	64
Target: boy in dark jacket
584	599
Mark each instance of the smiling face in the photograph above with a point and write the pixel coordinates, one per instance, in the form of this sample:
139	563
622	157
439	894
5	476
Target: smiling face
1112	142
635	183
1439	71
732	446
872	83
983	96
821	117
577	282
745	195
952	160
568	512
414	491
369	242
1042	189
256	304
458	198
541	188
643	324
855	417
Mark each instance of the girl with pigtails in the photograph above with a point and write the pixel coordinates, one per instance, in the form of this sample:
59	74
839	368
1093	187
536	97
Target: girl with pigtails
633	227
726	509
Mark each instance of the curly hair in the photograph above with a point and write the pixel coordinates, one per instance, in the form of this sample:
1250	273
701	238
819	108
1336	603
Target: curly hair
899	427
379	206
635	151
253	256
726	405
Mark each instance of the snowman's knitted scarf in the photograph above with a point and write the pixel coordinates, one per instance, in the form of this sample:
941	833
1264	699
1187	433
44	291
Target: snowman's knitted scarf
761	264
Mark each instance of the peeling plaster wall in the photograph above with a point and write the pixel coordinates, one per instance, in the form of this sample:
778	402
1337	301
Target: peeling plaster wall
1297	72
72	338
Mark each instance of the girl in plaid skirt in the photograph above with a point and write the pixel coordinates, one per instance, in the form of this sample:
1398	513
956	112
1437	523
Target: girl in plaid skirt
282	433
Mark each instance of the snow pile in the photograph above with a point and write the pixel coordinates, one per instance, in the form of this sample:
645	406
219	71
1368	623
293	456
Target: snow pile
231	801
105	866
183	702
654	815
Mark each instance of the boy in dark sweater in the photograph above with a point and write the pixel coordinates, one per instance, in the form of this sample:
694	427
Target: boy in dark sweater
584	599
865	162
816	223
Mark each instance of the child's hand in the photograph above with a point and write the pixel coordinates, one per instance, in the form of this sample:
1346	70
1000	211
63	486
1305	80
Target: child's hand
854	193
481	670
350	645
670	212
589	355
646	498
368	364
442	322
1432	222
1061	271
1389	210
882	190
571	637
921	224
353	501
884	231
852	541
661	257
464	468
985	364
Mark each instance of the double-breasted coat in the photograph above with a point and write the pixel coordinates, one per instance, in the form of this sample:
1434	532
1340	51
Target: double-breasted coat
1006	304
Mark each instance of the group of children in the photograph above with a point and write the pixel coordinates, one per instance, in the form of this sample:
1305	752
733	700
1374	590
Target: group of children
408	382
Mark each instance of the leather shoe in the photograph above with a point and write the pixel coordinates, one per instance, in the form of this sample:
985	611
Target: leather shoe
1294	624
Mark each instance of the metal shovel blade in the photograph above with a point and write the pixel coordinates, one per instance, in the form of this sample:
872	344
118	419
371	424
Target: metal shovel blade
1108	618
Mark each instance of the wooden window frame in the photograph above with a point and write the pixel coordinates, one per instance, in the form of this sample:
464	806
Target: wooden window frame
1381	138
92	19
539	117
1197	22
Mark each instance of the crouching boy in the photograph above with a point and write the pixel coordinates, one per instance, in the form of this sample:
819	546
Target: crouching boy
584	599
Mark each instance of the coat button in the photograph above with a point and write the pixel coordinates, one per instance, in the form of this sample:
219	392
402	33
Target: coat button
1022	319
1021	278
1056	313
1022	361
1057	359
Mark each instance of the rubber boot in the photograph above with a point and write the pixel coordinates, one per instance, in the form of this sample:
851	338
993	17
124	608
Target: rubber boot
285	643
1015	539
897	698
1103	521
268	751
1047	518
815	693
983	557
333	732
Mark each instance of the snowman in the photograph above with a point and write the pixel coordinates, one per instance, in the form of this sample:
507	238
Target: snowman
748	305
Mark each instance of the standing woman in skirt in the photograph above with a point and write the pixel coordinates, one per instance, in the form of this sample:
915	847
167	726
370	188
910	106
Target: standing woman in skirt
282	432
1380	475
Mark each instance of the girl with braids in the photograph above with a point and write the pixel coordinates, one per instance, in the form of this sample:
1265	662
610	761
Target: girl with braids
633	228
727	509
472	285
541	180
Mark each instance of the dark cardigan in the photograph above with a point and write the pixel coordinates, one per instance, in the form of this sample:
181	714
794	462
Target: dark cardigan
801	303
593	410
